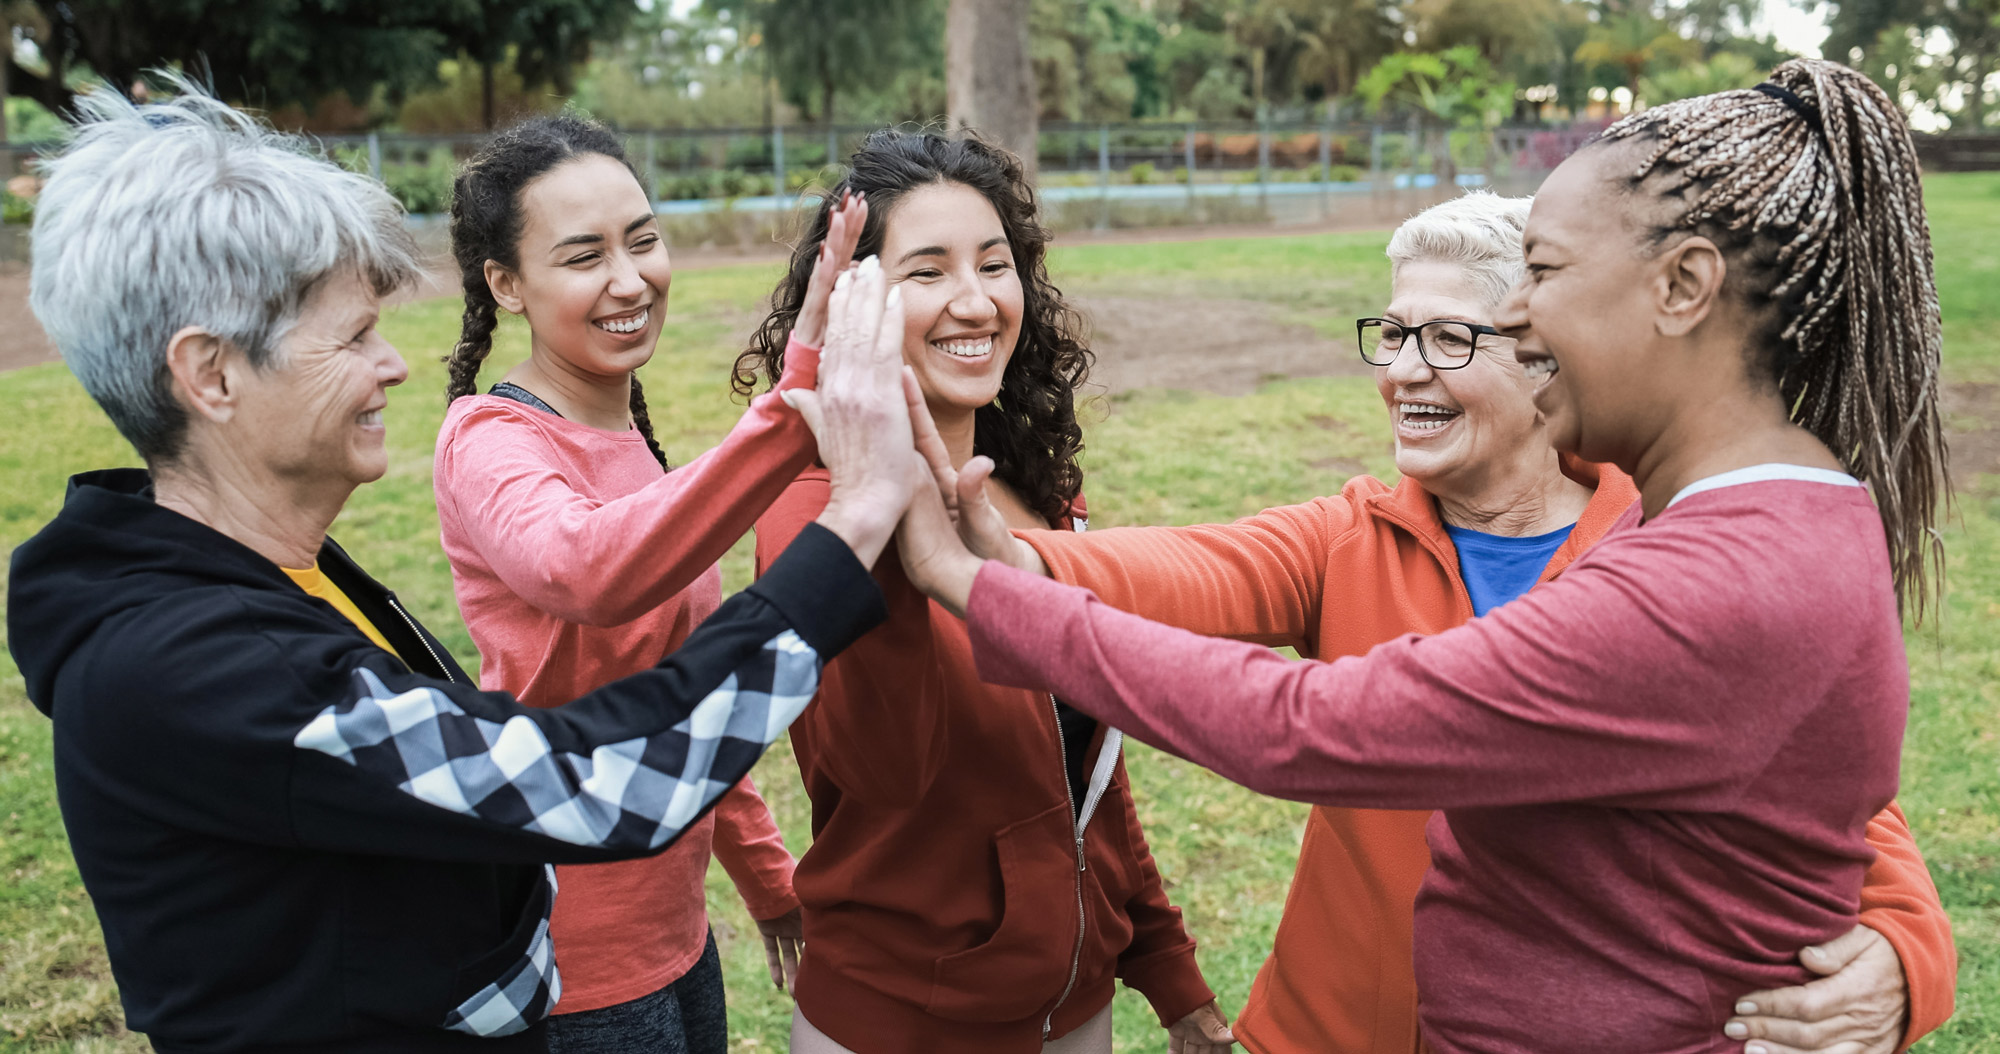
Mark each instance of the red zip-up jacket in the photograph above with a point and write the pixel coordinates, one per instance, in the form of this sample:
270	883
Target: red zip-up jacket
944	906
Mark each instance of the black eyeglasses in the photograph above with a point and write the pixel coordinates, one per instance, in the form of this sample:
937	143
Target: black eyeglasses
1442	344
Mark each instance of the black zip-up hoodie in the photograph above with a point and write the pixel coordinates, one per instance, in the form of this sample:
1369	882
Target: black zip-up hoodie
295	841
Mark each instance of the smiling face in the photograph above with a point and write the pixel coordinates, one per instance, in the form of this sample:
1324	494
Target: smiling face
593	272
1583	314
944	246
314	414
1455	427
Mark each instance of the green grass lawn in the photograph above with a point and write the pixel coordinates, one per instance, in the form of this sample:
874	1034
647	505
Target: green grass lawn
1153	457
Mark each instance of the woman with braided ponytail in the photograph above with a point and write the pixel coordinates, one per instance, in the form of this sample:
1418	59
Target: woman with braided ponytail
1654	772
578	558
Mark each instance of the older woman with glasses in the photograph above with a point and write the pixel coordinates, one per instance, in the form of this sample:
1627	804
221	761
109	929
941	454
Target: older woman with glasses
302	825
1485	511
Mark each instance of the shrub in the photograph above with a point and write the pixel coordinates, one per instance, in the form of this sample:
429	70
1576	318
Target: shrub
1142	173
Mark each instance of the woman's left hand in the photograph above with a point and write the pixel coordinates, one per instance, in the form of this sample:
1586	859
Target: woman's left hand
1859	1005
843	233
784	942
1205	1031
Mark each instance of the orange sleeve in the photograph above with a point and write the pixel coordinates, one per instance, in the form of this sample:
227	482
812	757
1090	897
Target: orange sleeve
1257	579
753	852
1899	901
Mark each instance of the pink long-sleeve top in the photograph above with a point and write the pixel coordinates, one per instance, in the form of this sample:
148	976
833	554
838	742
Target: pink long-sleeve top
1656	772
577	561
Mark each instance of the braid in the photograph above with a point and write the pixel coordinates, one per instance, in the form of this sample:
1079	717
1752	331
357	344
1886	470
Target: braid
1818	204
644	423
475	339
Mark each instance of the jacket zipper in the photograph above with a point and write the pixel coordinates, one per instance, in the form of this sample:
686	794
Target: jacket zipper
1069	798
421	639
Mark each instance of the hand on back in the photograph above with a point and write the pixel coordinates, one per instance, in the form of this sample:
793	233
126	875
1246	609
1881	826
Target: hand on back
1859	1006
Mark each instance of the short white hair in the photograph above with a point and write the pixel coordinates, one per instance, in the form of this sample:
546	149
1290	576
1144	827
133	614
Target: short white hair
1479	231
190	213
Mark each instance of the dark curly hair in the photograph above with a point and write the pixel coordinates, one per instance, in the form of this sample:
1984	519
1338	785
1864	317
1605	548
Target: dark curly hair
486	225
1030	431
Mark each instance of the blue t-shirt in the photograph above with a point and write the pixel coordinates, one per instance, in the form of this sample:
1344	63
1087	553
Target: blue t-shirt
1498	568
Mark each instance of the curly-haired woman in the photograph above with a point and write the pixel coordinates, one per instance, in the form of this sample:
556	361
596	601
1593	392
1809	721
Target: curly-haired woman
977	876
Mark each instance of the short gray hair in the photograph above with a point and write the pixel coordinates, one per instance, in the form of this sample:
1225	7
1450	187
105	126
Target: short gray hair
190	213
1480	232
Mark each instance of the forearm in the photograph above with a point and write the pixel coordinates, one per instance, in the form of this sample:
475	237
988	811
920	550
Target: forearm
607	563
1255	580
1899	901
748	845
1470	717
623	770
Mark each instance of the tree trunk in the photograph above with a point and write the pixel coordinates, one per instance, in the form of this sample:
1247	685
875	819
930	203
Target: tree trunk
989	78
486	115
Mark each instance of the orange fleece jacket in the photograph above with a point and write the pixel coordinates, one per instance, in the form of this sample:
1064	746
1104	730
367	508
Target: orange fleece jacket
1336	576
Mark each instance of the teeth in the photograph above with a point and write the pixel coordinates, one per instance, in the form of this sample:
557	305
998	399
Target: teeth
1538	368
965	349
371	418
1424	408
630	325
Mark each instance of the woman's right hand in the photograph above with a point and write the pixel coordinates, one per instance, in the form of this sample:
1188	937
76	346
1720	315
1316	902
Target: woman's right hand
836	252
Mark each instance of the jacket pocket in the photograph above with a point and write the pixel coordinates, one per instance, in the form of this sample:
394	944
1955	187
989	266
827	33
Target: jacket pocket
1024	965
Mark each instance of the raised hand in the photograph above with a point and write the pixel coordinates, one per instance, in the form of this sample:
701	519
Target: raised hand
843	233
859	413
981	527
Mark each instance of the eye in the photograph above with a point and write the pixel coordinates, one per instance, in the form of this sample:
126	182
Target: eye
927	272
586	258
645	243
997	267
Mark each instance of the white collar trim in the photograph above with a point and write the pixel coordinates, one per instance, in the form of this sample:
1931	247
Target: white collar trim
1766	474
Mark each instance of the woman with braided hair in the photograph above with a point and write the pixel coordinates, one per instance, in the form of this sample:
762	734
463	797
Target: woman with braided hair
578	558
1655	772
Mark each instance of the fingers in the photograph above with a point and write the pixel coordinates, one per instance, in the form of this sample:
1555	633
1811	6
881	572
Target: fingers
929	443
771	959
1214	1027
1831	957
836	250
790	950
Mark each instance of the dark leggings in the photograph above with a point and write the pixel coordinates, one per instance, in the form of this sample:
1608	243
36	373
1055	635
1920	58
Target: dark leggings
688	1016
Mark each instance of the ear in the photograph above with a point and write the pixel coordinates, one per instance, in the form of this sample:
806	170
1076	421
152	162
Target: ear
505	285
202	365
1690	283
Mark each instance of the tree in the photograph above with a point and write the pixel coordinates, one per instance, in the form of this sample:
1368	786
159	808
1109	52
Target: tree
1631	42
546	39
263	53
817	49
1454	88
989	76
1723	71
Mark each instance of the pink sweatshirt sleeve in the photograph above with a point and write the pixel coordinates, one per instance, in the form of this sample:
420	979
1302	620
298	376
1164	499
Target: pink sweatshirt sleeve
1591	688
607	563
753	852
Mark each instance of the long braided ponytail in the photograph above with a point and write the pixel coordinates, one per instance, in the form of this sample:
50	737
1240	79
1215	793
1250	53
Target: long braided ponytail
1809	183
486	225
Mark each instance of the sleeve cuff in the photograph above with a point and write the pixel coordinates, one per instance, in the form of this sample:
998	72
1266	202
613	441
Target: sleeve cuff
801	365
823	591
1170	981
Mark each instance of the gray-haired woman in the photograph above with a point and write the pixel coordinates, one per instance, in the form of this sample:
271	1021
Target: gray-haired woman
301	823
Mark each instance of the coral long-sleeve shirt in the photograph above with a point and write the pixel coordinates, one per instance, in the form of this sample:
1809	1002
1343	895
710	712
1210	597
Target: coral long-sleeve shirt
1656	772
577	561
1336	576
